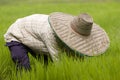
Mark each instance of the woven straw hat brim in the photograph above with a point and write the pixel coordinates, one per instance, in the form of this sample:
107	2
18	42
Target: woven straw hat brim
94	44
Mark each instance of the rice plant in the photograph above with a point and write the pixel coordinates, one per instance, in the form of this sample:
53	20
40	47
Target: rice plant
103	67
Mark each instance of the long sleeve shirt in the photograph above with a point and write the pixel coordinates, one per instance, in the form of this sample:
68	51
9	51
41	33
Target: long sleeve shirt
35	32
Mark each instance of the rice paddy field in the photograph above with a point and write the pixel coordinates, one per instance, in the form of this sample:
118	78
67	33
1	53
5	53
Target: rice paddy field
104	67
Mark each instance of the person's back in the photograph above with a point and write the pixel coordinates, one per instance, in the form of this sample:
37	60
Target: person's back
34	32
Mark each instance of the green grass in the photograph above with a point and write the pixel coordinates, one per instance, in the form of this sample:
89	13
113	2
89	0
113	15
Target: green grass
103	67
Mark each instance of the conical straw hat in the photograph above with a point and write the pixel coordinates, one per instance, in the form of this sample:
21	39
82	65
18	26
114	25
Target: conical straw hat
80	33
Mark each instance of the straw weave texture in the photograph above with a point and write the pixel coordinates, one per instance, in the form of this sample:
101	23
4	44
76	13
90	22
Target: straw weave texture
94	44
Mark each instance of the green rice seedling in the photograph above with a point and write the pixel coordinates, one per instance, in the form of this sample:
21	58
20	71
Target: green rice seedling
103	67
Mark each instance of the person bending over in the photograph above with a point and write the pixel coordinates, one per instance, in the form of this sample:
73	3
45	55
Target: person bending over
37	34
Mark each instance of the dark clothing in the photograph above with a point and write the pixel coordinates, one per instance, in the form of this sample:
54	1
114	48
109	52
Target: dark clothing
19	54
